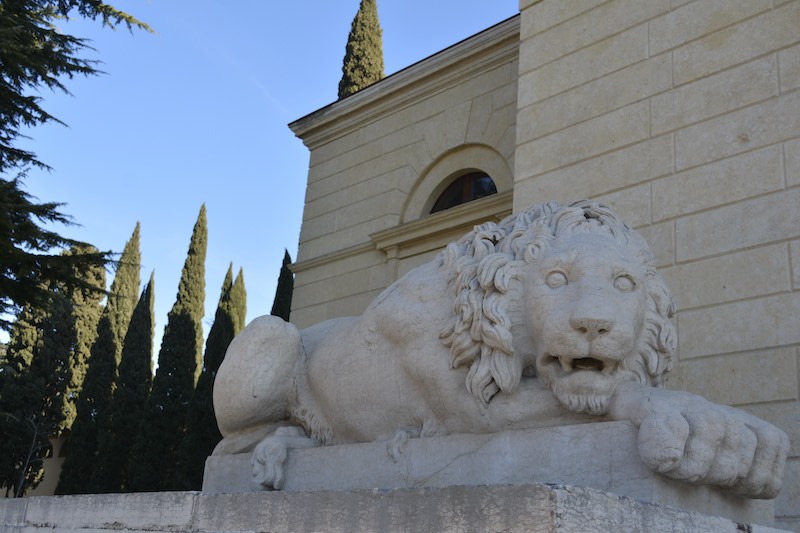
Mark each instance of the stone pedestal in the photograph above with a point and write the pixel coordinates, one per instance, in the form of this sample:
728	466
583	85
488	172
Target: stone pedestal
602	456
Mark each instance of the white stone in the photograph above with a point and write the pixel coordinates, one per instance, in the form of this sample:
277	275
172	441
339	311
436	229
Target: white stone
568	294
600	458
531	508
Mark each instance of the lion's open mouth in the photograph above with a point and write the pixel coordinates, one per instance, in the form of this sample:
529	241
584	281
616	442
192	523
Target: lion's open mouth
569	364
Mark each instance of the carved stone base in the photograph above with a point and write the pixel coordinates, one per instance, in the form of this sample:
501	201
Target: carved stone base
602	456
512	508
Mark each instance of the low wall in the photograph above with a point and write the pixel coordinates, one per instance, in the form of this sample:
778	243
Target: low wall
531	508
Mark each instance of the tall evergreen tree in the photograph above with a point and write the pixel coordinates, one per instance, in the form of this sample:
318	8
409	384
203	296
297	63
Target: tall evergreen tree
155	450
363	58
36	54
202	433
43	375
98	386
282	304
86	313
239	302
119	424
16	438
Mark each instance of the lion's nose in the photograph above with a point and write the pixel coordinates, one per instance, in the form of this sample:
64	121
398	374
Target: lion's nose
591	327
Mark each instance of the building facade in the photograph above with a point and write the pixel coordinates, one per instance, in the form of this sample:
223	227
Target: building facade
683	115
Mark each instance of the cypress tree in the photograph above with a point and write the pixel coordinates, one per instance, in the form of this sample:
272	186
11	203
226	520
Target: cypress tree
16	394
239	302
155	450
202	434
282	305
120	422
363	58
37	54
43	375
101	373
86	313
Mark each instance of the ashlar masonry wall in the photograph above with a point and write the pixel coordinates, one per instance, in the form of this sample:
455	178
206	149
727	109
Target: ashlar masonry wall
371	152
685	117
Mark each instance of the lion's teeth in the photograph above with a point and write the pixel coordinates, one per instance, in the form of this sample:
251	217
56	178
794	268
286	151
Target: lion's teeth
566	363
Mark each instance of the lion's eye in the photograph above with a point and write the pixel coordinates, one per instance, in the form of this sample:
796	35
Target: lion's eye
624	283
556	279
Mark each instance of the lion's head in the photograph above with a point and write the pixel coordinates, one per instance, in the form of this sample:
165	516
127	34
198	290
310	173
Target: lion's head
569	293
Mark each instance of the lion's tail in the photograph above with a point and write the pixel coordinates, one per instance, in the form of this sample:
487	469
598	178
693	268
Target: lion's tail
256	380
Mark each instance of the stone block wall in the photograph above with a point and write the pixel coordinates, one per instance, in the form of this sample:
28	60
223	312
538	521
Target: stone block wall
512	508
685	117
371	151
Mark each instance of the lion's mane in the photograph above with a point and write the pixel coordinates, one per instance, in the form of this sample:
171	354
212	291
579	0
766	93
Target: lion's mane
483	265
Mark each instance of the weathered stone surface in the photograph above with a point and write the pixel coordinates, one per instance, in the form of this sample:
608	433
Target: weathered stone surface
730	277
718	183
589	28
792	151
789	62
514	508
724	175
599	457
755	222
620	128
569	294
771	321
738	43
741	86
774	378
166	511
698	19
594	98
769	122
587	64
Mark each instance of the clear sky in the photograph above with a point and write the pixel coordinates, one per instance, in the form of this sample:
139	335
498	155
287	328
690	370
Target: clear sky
197	113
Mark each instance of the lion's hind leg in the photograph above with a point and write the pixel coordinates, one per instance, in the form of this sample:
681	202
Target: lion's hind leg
269	457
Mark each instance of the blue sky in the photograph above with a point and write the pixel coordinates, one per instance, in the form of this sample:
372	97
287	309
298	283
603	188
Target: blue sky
197	113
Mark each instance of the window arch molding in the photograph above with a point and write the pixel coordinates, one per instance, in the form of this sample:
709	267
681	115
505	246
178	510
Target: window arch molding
450	166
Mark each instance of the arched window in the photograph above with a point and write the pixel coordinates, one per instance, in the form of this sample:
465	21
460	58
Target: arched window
466	188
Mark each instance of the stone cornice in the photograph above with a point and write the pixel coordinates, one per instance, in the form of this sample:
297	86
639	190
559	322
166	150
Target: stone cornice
495	206
494	46
300	266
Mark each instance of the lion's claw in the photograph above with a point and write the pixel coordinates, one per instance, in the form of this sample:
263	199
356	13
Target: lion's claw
269	457
686	437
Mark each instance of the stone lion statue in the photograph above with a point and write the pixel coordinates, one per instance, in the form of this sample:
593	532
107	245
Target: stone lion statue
553	316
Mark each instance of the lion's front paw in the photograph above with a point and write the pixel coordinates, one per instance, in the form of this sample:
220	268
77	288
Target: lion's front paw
700	442
269	457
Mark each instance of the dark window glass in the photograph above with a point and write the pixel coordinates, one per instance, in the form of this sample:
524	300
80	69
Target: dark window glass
468	187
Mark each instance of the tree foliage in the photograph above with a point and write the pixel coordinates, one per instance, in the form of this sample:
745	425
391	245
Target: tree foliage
42	377
202	433
282	304
84	311
36	55
121	421
26	272
18	428
101	374
363	58
155	451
